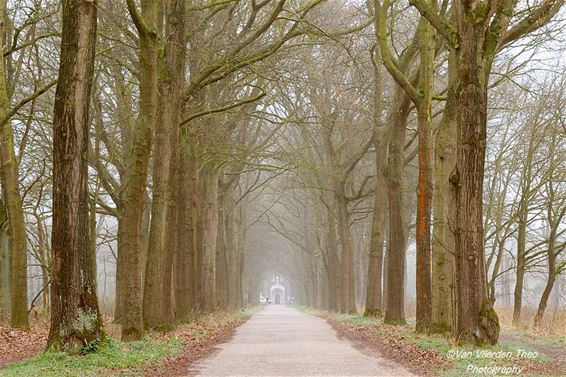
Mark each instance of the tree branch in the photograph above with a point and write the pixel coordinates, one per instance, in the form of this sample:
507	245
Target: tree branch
26	100
536	19
398	76
441	24
220	109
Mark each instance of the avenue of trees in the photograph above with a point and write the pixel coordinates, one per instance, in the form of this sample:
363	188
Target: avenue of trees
208	144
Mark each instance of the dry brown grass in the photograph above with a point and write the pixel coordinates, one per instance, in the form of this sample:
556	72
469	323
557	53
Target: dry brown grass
554	321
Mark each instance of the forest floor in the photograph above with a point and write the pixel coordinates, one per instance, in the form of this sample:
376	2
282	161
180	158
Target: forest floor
176	353
517	353
157	354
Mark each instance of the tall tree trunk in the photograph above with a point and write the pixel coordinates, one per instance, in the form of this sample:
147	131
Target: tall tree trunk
198	213
520	267
477	320
523	220
210	229
134	196
424	187
374	303
14	209
232	256
347	247
45	261
75	316
119	289
395	305
157	288
221	298
4	265
549	281
334	262
185	247
554	219
444	203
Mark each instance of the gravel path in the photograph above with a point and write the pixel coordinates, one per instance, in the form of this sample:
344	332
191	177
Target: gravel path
282	341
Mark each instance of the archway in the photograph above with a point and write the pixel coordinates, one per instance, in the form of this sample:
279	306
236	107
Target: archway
278	293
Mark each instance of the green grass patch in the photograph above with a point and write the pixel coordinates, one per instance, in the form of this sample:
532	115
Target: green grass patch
465	359
307	310
111	357
250	312
542	339
356	319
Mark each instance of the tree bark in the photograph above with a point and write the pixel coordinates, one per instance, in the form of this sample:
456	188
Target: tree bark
75	319
551	279
334	263
396	245
233	260
424	186
477	320
444	204
4	266
157	287
348	304
134	198
374	304
221	299
374	301
523	220
210	229
14	209
184	272
554	218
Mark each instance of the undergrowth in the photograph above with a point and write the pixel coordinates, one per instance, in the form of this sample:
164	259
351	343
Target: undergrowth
463	359
110	355
114	358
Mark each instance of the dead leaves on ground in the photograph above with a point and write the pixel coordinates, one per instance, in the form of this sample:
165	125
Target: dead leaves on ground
199	339
418	360
16	345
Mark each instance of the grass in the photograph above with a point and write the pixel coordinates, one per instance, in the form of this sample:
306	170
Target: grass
539	338
250	312
466	359
113	358
112	355
355	319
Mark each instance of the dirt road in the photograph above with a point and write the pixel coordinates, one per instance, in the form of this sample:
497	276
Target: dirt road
282	341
